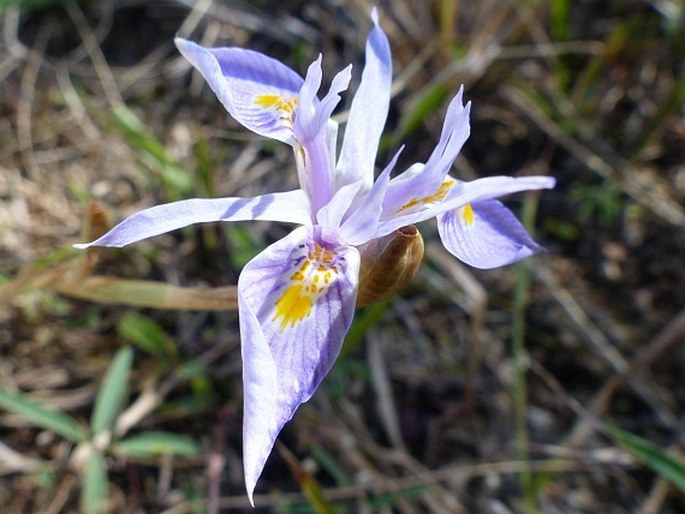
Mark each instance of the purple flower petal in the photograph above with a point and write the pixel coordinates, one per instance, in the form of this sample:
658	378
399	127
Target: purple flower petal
289	207
423	180
315	149
453	194
485	235
362	224
368	112
258	91
296	302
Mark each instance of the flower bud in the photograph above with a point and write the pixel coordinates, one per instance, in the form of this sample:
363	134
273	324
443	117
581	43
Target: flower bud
388	264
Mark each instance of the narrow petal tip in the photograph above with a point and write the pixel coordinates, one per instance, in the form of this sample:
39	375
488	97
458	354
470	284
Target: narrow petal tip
374	15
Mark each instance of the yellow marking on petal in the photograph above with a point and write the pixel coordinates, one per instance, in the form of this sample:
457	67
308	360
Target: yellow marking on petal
436	197
272	101
468	214
293	306
313	273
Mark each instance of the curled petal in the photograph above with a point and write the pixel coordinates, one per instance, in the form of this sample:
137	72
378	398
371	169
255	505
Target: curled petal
258	91
296	302
368	112
485	235
289	207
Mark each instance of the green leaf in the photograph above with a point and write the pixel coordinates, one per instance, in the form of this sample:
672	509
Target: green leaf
363	321
146	333
429	101
112	391
94	479
28	4
150	444
242	247
670	467
176	179
54	421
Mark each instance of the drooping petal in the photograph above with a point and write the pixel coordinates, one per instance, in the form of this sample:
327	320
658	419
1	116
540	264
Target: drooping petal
288	207
453	194
258	91
296	302
423	180
368	112
485	235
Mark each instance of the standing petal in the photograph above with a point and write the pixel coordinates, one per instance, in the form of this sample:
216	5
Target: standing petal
314	153
296	302
289	207
423	180
368	112
258	91
485	235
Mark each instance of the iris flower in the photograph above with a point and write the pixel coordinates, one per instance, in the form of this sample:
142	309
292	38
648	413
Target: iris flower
297	297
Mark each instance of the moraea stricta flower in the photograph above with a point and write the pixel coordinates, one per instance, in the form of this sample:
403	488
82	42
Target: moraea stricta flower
298	296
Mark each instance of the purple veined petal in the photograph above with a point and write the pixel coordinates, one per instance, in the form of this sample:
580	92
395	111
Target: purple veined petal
423	181
368	111
258	91
314	153
453	194
362	224
289	207
485	235
296	302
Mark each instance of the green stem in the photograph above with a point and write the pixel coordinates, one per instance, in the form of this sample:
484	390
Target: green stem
521	296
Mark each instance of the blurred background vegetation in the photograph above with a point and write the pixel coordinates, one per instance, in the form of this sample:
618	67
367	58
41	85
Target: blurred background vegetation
556	385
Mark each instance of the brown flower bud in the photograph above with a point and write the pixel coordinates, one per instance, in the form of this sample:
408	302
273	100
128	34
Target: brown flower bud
388	264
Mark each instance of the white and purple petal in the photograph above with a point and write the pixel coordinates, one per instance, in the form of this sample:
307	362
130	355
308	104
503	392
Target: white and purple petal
368	112
421	180
296	302
288	207
314	149
456	194
258	91
485	235
365	212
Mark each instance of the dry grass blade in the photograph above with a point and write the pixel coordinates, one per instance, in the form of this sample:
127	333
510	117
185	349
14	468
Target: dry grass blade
612	168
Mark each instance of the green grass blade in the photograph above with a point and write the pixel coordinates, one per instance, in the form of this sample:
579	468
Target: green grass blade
429	102
363	321
176	179
146	333
112	391
154	443
54	421
94	479
671	468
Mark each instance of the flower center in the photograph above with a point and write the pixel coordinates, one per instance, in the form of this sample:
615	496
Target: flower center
315	269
